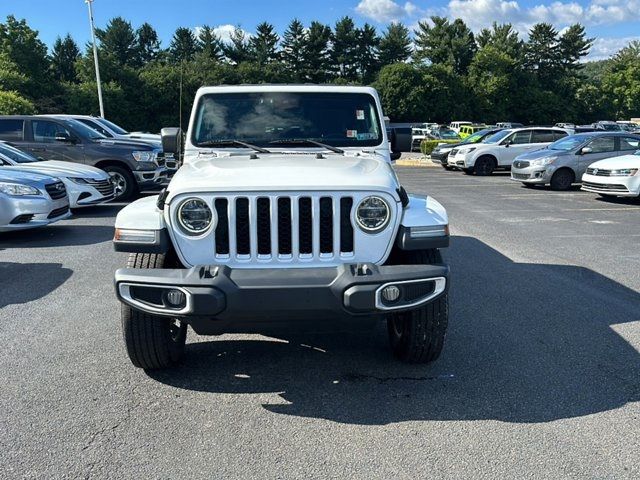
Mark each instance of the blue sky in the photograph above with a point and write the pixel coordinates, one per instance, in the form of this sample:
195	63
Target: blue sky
613	22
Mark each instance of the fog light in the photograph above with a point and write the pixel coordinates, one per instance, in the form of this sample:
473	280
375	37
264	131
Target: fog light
391	293
176	298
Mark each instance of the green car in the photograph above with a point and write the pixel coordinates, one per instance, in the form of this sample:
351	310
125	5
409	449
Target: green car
467	130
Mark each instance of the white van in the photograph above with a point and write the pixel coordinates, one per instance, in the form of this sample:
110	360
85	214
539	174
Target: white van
455	126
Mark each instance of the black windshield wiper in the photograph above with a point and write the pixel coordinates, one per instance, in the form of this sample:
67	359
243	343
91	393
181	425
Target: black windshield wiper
222	143
305	141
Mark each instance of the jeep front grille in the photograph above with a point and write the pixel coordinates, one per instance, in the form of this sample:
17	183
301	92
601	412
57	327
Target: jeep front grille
265	226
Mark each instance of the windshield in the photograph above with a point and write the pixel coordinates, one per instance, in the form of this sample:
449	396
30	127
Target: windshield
259	118
112	126
477	137
446	133
16	155
497	137
569	143
83	130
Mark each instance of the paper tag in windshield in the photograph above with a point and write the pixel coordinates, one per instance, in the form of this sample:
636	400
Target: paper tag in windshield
366	136
352	133
360	114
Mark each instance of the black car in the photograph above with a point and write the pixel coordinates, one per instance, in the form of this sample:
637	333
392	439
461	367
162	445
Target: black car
440	154
132	164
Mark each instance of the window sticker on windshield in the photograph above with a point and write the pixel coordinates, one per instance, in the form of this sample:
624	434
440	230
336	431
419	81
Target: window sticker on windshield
366	136
360	114
352	133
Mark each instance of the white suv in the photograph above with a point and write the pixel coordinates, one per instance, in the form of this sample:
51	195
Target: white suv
499	150
286	211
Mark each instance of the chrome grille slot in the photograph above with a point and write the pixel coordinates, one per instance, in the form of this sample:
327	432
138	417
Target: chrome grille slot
284	226
305	226
326	225
243	236
222	228
264	226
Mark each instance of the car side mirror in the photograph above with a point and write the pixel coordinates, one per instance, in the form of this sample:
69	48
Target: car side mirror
63	137
171	140
400	140
585	150
506	143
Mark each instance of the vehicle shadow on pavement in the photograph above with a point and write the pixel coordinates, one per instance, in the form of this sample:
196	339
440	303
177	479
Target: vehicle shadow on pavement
58	235
99	211
36	280
526	343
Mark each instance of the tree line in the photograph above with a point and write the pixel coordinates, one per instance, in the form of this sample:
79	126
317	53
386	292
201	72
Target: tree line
439	72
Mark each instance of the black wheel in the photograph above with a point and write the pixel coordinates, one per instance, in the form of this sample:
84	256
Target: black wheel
124	183
562	179
484	166
152	341
417	336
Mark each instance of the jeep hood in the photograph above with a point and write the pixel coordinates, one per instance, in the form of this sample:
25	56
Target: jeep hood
281	172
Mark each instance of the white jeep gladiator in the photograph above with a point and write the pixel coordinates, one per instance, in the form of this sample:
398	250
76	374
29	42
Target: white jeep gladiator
285	212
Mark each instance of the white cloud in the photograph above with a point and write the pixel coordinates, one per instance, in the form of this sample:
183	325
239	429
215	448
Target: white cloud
223	31
606	47
383	11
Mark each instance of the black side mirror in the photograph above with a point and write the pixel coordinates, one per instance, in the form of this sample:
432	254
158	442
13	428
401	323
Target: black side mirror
171	140
400	139
63	137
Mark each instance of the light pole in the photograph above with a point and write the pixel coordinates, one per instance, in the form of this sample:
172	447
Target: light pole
95	56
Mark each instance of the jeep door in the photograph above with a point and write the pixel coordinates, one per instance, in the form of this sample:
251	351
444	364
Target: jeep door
601	148
43	143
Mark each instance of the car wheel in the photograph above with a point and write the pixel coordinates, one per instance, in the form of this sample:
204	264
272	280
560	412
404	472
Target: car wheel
124	183
484	166
417	336
152	341
562	179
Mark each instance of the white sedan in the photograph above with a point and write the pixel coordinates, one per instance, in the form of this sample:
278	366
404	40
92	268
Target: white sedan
85	185
617	177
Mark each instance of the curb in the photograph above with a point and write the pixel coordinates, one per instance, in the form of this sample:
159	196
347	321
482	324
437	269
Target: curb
424	162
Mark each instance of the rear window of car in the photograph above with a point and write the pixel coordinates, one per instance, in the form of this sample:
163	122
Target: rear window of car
629	144
11	130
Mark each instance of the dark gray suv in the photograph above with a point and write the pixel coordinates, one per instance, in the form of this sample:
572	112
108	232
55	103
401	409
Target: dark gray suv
133	165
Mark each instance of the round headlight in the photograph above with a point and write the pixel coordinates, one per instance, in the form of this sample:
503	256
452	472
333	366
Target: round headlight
372	214
195	216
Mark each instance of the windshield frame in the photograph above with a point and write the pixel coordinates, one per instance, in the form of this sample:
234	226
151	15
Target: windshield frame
83	131
498	136
585	139
17	152
117	129
376	121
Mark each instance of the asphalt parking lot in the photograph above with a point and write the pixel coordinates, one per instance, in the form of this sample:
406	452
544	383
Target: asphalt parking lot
540	376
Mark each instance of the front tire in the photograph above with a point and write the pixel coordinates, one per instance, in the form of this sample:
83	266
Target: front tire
125	184
562	180
484	166
417	336
152	341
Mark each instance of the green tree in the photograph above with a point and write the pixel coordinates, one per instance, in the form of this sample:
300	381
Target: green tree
184	45
315	52
10	76
210	43
11	103
23	47
294	42
119	41
237	50
401	91
148	44
445	43
344	49
264	44
621	82
573	46
503	38
64	56
366	53
395	45
542	54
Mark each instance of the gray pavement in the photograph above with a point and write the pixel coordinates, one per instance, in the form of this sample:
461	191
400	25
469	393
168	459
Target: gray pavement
540	376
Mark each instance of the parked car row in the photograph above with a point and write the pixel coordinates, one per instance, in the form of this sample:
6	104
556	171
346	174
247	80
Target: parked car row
604	162
54	163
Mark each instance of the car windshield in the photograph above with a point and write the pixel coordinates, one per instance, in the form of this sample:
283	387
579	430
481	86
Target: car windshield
448	134
16	155
83	130
497	137
112	126
261	118
569	143
477	137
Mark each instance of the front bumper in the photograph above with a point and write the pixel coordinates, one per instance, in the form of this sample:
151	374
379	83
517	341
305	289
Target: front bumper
223	294
533	174
85	195
25	212
151	178
440	157
614	186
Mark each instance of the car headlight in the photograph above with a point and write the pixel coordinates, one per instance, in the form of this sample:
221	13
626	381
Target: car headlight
624	172
373	214
195	216
78	180
464	151
540	162
144	156
18	190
